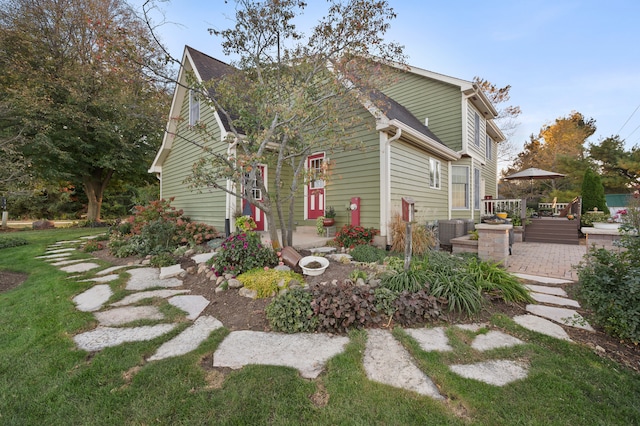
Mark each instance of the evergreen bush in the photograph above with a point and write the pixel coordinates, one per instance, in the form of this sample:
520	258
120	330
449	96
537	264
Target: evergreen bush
593	193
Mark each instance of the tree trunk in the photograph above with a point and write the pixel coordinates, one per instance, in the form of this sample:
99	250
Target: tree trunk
273	231
94	187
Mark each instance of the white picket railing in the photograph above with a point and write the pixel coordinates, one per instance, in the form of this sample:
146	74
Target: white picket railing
555	209
491	207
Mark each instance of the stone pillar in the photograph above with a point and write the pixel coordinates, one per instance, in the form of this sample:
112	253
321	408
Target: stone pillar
493	243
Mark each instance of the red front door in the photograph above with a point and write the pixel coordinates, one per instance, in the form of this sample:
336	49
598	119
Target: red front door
251	185
315	188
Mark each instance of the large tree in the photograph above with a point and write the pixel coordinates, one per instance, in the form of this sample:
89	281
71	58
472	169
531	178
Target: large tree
619	169
73	74
293	94
558	147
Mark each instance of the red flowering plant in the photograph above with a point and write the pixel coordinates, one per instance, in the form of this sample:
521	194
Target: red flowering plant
350	236
241	252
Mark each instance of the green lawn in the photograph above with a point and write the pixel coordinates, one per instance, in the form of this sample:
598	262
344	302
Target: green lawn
44	379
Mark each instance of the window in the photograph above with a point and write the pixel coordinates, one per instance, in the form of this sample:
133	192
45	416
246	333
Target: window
476	130
194	108
459	187
489	149
476	189
434	173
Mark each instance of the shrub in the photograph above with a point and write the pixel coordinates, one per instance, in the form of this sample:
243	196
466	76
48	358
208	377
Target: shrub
291	312
242	252
92	245
385	300
368	253
412	280
158	236
490	278
344	306
265	281
588	218
162	260
351	236
610	281
8	242
416	308
458	290
422	239
593	193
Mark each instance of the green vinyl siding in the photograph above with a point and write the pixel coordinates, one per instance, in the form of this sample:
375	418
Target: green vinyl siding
490	173
410	178
202	206
478	151
438	101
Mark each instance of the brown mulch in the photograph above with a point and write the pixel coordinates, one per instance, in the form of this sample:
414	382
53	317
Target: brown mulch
240	313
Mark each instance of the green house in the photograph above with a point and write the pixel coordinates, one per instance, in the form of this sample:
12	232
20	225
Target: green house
435	141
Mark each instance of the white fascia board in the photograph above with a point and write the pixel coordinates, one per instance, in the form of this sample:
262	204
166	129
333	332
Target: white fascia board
419	139
495	132
176	105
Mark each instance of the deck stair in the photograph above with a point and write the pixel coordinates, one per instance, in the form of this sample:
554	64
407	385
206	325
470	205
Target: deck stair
557	230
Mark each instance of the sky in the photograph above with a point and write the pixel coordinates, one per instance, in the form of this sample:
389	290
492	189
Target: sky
558	56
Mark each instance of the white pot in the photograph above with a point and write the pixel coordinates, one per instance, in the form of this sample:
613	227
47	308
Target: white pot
313	271
606	225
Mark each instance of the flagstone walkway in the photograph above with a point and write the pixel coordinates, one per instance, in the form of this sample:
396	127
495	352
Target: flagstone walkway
385	359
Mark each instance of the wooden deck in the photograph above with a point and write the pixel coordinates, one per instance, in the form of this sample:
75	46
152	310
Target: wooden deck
557	230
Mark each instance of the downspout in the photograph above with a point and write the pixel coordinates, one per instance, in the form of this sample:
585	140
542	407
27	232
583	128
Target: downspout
385	181
229	201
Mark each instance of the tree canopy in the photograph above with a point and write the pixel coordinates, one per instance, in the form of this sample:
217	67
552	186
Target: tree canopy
619	169
292	94
558	147
79	96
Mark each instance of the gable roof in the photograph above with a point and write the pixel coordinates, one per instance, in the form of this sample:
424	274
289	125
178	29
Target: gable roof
208	68
394	115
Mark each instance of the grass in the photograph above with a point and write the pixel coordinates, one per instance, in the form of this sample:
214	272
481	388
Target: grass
44	379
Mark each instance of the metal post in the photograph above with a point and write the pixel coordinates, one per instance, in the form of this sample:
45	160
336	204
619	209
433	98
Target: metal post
407	248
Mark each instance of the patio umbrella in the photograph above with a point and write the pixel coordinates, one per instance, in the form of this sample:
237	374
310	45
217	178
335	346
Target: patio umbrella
533	173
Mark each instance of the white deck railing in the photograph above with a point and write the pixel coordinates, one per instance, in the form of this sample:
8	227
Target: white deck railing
557	208
491	207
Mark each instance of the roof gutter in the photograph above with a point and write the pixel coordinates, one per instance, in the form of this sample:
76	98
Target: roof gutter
418	139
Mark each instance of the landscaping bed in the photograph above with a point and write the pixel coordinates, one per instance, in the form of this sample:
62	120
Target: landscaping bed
240	313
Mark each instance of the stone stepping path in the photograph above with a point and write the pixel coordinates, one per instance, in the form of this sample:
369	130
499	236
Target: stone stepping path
79	267
387	361
543	280
121	316
68	262
305	352
556	291
111	269
170	271
60	250
497	372
56	256
430	339
105	337
494	340
541	325
93	299
203	257
188	340
136	297
554	300
104	279
192	305
146	278
562	316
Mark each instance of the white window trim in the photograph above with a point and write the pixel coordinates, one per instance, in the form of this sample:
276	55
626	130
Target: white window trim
476	185
194	103
488	150
467	194
476	130
438	163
